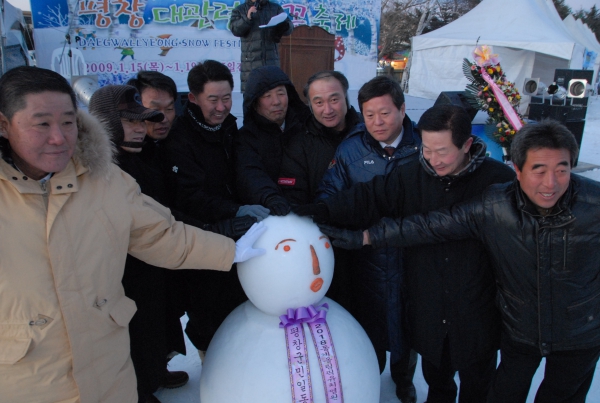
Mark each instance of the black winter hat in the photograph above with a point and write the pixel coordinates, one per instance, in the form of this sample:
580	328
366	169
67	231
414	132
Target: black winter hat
113	102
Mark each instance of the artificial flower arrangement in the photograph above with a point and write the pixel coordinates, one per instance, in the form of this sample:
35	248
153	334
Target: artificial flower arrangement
490	91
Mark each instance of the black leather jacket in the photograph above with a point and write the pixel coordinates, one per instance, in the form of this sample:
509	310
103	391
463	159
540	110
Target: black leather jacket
546	267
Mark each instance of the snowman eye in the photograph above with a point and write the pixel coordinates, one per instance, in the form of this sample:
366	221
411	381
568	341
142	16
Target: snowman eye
286	248
327	244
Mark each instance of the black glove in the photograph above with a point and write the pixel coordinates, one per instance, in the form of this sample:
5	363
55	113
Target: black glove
278	205
233	227
318	211
343	238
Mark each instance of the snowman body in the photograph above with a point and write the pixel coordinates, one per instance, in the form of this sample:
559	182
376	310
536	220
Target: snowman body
247	360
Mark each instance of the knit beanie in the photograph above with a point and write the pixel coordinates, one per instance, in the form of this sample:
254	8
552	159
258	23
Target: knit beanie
111	103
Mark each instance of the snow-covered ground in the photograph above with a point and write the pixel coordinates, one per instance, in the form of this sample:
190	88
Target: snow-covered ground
590	153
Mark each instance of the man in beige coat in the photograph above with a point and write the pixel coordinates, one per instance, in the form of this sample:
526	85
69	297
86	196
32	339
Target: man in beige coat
68	218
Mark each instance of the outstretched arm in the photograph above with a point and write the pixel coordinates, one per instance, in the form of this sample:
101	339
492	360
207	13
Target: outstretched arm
459	222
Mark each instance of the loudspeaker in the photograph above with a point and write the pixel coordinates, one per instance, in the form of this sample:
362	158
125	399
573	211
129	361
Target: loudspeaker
563	76
576	127
569	101
561	113
457	98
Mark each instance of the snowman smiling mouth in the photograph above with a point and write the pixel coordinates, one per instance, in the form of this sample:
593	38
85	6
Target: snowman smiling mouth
316	285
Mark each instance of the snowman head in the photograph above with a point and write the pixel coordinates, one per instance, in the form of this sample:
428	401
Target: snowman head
296	269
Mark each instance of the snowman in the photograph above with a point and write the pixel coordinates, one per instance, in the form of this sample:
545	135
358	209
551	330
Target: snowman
289	343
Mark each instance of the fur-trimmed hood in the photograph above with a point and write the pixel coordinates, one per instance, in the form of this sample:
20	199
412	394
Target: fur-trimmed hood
94	150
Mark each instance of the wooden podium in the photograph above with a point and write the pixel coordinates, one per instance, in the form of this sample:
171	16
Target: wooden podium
305	52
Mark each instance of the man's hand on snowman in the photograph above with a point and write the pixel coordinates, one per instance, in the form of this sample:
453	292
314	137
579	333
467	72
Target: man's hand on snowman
244	249
318	211
344	238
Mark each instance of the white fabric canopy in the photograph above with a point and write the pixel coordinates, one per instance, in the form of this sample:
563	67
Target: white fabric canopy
528	35
585	36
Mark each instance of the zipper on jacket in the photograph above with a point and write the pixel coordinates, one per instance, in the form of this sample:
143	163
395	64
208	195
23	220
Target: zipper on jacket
564	250
44	186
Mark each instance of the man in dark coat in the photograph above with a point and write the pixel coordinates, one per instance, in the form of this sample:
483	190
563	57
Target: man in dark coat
453	321
149	327
273	115
199	151
259	45
541	232
307	157
376	276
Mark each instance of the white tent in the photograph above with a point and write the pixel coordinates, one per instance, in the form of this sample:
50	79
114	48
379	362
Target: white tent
584	35
528	35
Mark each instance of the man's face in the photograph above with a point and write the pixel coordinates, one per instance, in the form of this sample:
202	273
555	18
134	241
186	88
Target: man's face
134	131
328	103
441	153
43	134
383	119
215	101
273	104
545	175
161	101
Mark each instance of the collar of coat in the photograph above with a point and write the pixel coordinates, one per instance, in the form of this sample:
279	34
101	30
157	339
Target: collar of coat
561	210
316	128
476	152
195	118
94	152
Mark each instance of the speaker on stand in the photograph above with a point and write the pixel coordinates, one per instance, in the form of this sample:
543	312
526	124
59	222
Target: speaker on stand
565	100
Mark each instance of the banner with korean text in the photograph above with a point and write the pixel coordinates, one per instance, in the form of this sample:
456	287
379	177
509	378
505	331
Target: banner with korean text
116	38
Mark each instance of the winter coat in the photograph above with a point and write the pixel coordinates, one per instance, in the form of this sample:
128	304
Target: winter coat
63	312
450	286
259	45
260	142
201	165
377	274
306	158
360	158
145	285
546	267
202	169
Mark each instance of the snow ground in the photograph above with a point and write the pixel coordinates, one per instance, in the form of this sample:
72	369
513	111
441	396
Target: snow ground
590	154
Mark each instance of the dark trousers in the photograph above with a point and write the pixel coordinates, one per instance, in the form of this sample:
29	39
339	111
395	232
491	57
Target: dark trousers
567	378
212	295
147	330
475	380
403	371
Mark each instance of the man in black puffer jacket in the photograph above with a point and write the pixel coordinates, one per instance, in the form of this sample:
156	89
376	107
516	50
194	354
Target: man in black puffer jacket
541	232
273	115
259	45
452	319
199	151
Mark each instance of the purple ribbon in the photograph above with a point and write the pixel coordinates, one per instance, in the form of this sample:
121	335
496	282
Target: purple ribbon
304	314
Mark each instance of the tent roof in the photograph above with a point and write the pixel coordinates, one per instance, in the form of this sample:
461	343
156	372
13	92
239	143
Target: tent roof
579	31
520	24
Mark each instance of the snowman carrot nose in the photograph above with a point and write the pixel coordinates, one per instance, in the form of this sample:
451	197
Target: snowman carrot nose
315	261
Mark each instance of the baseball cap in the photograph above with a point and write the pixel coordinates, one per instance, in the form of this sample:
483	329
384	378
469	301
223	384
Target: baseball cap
130	107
